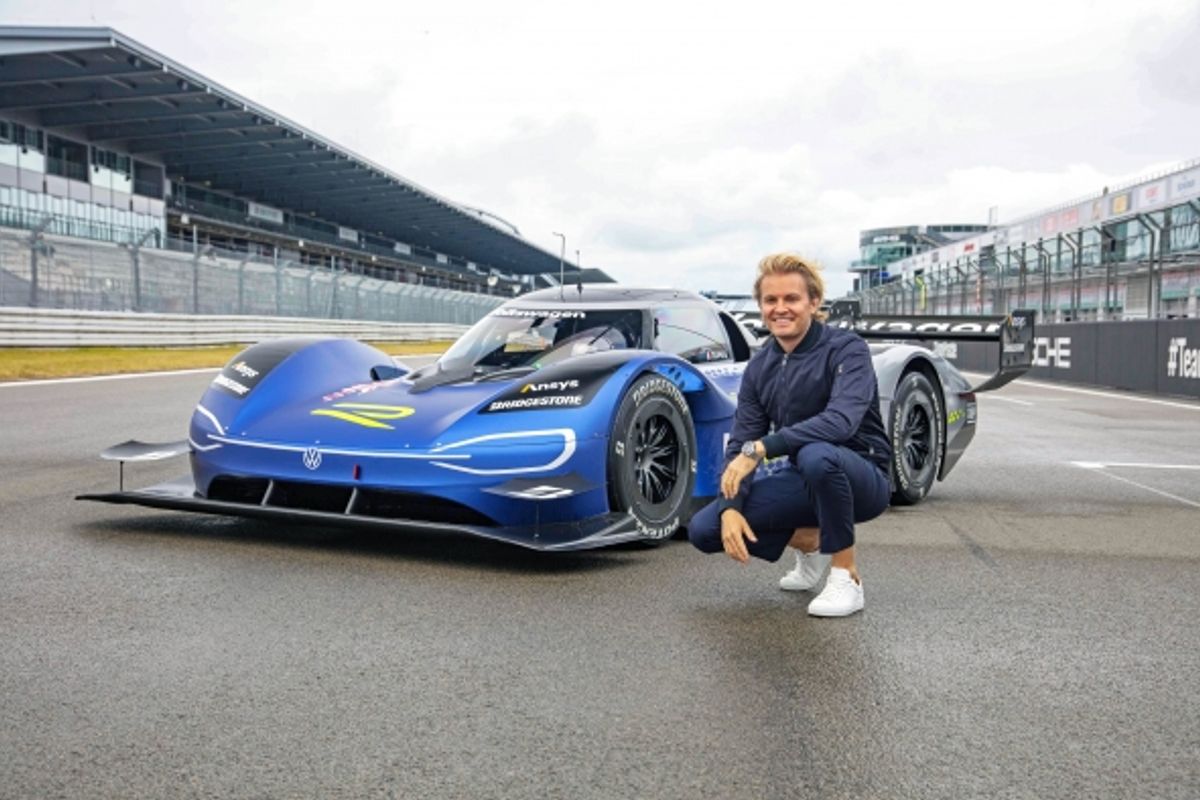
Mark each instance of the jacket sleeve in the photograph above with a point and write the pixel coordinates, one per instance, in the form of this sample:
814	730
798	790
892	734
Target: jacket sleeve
750	422
853	390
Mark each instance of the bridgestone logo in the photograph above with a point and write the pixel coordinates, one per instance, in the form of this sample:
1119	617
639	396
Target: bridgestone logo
551	401
231	385
657	531
659	384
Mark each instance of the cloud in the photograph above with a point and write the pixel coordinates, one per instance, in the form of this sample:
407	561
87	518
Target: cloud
676	144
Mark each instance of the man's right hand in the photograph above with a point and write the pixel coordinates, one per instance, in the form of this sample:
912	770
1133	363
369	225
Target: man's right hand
735	530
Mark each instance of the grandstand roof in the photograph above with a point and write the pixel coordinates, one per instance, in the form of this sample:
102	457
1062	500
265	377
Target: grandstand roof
98	85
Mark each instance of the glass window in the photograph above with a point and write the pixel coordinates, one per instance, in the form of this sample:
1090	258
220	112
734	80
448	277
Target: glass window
516	337
693	333
1185	229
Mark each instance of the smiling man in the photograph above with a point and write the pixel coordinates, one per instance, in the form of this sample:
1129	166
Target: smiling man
809	394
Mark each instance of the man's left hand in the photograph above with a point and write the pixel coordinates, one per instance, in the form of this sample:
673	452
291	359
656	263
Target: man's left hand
738	469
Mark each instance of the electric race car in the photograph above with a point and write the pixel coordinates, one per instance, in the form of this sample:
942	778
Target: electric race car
565	419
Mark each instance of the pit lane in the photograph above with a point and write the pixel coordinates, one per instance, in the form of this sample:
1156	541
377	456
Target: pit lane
1030	631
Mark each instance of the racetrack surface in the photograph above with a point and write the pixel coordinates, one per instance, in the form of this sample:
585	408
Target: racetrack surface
1030	631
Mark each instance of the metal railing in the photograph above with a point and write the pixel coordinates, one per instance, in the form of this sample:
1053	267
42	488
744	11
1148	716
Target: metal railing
39	327
1147	266
42	270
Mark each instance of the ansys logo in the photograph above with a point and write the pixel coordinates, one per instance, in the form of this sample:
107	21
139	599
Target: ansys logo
550	386
1182	362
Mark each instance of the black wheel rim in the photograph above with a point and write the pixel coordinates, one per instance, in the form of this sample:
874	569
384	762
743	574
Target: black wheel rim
656	459
918	438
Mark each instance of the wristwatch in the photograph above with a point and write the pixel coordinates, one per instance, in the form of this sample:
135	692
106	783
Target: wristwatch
750	450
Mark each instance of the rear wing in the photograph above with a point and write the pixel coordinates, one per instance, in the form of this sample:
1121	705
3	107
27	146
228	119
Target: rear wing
1013	334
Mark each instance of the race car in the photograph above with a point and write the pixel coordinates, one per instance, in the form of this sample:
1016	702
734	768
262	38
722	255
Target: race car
567	418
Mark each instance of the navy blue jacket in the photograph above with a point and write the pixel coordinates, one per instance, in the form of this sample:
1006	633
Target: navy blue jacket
825	390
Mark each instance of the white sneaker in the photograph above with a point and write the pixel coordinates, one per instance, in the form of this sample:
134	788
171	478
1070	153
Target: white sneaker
807	572
841	597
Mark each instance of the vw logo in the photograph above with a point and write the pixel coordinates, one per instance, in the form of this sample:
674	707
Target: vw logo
312	458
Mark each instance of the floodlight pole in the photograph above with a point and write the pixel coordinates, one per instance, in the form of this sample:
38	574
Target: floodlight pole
134	252
36	240
562	254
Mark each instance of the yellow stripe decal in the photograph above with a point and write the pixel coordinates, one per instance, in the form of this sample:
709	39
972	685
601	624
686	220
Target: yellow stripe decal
366	414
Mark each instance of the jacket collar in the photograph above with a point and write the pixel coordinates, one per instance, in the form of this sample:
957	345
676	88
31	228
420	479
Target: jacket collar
807	343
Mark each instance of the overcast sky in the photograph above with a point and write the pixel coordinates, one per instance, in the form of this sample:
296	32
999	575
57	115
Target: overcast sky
676	143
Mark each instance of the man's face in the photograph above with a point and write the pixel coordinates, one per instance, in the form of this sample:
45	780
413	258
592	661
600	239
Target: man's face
786	307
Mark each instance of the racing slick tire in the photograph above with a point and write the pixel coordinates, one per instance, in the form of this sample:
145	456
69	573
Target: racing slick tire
916	432
651	457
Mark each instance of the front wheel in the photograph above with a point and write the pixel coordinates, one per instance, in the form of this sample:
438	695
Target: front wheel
916	438
651	456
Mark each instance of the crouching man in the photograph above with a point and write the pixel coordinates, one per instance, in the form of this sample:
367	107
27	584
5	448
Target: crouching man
809	394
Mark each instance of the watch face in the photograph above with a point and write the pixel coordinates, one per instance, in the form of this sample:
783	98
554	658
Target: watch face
749	450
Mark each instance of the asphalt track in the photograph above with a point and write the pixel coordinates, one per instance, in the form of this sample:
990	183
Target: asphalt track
1031	631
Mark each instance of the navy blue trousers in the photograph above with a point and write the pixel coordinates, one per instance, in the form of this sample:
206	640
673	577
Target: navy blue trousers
829	487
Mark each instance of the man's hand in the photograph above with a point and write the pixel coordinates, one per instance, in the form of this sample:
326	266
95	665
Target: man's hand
735	530
738	469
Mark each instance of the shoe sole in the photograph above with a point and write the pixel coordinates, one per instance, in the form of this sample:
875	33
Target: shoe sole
826	615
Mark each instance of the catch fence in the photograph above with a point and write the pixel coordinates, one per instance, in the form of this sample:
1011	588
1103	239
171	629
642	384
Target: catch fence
41	270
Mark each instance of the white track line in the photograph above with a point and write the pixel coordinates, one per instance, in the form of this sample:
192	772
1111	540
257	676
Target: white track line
1100	468
1009	399
94	378
1131	465
124	375
1099	393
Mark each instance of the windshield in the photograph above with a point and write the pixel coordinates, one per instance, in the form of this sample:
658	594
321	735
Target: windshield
518	337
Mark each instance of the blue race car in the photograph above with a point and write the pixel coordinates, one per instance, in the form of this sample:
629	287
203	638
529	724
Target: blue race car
565	419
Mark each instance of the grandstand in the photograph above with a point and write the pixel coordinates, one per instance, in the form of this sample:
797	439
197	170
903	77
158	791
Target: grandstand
1125	252
880	247
103	139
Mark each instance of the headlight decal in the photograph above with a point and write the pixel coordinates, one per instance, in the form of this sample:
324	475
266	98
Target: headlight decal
568	449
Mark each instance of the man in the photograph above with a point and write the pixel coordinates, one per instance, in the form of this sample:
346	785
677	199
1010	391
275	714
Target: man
809	394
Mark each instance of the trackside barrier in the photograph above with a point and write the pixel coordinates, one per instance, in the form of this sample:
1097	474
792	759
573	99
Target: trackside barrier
1160	356
31	327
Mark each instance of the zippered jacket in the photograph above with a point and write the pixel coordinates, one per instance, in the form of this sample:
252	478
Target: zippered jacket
825	390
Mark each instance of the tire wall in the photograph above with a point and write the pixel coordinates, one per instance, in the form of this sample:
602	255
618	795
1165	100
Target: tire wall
1158	356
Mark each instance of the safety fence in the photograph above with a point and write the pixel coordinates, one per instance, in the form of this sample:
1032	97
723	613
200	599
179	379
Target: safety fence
1160	356
1143	267
39	270
26	327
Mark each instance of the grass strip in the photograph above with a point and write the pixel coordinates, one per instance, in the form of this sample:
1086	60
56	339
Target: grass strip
30	363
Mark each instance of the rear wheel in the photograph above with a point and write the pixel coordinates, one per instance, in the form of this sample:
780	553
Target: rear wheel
651	456
916	438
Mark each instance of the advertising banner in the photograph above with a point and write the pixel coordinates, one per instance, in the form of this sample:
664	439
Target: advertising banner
1177	357
1124	356
1065	352
1185	186
1152	196
1152	356
259	211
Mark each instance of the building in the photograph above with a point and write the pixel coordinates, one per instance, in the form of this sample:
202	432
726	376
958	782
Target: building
1124	252
105	139
880	247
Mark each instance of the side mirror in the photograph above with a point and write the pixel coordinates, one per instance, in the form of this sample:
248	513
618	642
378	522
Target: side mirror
387	372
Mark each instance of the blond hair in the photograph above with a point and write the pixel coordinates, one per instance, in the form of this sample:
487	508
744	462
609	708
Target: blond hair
788	264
